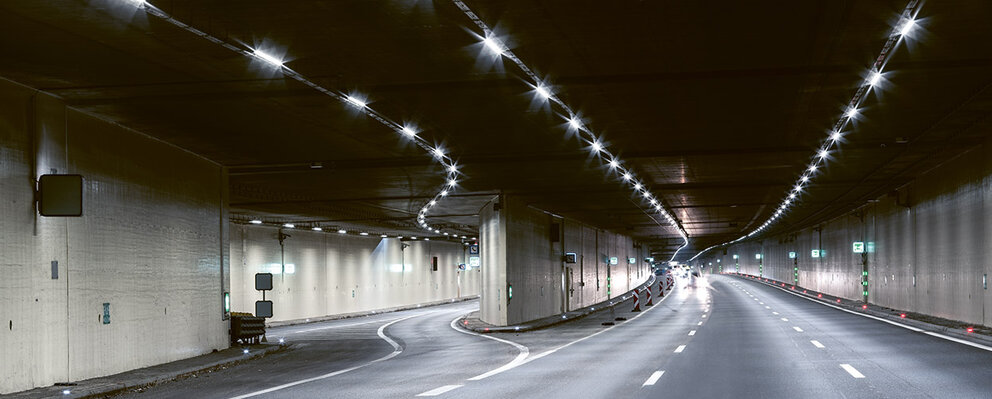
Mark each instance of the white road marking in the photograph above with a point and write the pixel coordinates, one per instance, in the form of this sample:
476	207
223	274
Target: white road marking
338	326
680	349
699	324
775	313
397	349
691	333
550	351
817	344
797	329
704	316
852	371
761	303
653	378
522	354
784	319
897	324
768	307
438	391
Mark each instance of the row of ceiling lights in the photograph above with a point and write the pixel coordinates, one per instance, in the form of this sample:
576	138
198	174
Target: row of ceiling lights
408	131
874	76
360	233
546	92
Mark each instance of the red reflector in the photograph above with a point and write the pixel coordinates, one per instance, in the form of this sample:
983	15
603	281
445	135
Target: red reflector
864	306
793	287
783	284
487	329
838	301
804	291
970	330
819	295
902	315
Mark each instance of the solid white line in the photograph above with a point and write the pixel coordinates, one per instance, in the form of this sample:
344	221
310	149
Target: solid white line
517	361
438	391
397	349
653	378
797	329
680	349
784	319
338	326
817	344
852	371
691	333
908	327
548	352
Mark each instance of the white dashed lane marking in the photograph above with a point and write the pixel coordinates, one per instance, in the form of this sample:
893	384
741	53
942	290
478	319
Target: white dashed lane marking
653	378
797	329
680	349
691	333
852	371
817	344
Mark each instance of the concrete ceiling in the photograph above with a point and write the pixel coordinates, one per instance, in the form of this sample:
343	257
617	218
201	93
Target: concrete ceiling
718	108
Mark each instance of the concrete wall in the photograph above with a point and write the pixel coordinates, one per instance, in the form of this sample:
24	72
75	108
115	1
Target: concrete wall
334	273
151	243
518	250
929	246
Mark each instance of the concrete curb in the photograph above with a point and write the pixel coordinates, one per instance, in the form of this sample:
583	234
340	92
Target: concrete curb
115	384
368	313
872	310
476	325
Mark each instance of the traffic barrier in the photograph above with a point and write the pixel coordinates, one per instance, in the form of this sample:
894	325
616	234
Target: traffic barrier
637	302
650	302
661	289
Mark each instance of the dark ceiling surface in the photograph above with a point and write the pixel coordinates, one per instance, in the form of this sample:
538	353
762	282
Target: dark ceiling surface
718	108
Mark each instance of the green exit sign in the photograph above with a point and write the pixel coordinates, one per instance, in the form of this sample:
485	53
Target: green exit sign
858	247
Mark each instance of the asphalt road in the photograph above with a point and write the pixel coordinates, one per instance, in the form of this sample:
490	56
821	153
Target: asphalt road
727	337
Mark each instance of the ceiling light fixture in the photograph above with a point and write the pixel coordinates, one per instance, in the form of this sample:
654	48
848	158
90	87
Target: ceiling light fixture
907	22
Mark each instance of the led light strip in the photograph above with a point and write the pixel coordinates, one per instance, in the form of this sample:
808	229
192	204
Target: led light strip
546	93
408	131
907	21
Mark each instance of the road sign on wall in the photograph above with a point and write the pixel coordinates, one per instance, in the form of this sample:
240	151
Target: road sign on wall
858	247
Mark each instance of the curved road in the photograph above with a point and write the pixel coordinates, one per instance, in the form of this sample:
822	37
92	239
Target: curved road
728	337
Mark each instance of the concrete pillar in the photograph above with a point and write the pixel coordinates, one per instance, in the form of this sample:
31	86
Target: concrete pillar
522	248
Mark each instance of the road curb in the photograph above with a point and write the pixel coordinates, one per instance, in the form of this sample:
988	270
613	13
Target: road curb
101	387
476	325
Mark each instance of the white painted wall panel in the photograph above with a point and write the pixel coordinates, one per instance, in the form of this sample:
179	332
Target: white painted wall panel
937	230
150	244
335	273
